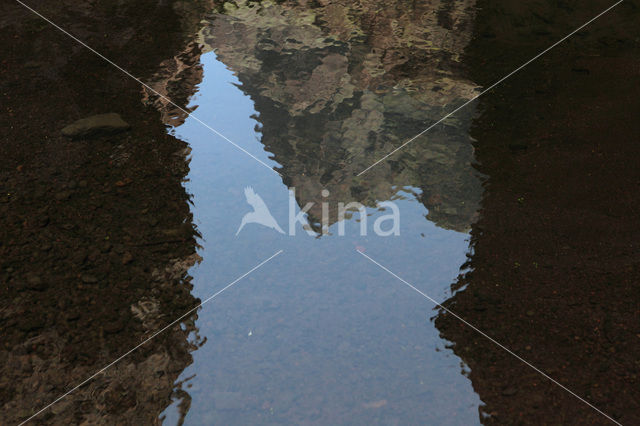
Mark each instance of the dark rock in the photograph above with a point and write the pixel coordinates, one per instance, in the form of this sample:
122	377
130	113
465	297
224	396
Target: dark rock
31	323
114	326
43	221
88	279
34	282
33	64
79	257
63	195
541	31
127	258
73	315
580	70
518	146
510	391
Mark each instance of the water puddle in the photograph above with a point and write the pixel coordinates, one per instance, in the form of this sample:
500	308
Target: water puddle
321	334
98	247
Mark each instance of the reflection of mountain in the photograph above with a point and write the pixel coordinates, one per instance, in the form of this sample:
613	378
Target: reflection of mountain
95	247
176	79
340	84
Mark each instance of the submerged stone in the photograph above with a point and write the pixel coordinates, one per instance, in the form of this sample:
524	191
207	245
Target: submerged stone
96	124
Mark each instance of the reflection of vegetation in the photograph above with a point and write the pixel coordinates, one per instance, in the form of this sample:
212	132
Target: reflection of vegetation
339	86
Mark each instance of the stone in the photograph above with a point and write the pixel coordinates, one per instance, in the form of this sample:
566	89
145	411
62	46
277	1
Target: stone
43	221
62	195
375	404
33	64
113	327
31	323
34	282
127	258
510	391
96	124
88	279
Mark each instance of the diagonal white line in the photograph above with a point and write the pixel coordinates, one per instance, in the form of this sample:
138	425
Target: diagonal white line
149	87
152	336
491	339
489	88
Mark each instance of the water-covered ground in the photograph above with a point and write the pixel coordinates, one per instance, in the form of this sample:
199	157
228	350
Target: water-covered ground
256	121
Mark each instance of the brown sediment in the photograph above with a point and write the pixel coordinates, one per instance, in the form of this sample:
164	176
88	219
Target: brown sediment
86	268
555	265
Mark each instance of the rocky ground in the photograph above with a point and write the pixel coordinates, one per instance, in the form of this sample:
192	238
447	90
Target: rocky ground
555	265
96	232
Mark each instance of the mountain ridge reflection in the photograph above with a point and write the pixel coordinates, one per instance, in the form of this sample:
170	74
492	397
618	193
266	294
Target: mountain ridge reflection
346	91
322	99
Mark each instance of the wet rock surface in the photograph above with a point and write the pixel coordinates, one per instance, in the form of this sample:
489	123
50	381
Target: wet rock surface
73	216
109	123
554	271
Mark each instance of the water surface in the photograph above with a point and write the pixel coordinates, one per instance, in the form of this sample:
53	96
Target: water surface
320	334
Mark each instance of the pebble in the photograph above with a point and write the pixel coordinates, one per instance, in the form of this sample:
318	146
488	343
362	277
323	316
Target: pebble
375	404
33	64
34	282
43	221
79	257
127	258
88	279
114	326
62	195
509	391
31	323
